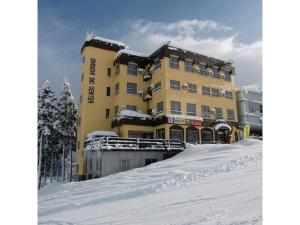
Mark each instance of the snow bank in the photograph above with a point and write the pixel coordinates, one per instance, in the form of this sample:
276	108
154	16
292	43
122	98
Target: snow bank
206	184
102	133
131	113
94	37
129	52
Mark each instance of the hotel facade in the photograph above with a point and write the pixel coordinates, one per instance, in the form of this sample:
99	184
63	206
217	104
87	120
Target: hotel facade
172	93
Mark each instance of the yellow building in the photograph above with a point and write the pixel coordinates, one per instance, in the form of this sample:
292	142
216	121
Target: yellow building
173	93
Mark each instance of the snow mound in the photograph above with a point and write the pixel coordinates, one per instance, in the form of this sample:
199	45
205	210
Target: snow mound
206	184
131	113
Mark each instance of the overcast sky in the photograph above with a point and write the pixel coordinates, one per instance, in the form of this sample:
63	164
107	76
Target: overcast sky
230	29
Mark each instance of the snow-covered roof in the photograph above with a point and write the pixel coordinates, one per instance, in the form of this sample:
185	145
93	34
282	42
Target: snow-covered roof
131	113
129	52
101	133
257	87
218	126
185	117
94	37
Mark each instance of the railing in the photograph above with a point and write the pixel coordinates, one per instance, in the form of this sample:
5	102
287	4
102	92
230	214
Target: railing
117	143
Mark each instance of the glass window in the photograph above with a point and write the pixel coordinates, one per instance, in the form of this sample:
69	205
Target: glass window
219	113
191	109
160	107
132	68
123	165
78	145
216	73
131	107
188	65
174	84
108	72
192	88
117	69
157	86
192	135
202	68
228	94
116	110
117	88
107	91
215	92
205	90
174	62
82	76
205	111
254	107
107	113
176	133
230	114
131	88
206	136
175	107
83	59
80	98
160	133
227	76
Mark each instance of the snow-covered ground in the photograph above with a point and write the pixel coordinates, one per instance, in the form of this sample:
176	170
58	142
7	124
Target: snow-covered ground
206	184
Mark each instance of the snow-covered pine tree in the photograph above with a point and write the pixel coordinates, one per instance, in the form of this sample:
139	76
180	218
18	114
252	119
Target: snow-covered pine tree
66	124
47	107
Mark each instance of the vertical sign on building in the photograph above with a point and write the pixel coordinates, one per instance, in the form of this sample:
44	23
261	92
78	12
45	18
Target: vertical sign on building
92	76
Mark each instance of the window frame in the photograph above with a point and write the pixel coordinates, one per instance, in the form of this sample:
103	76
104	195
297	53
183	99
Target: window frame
117	88
190	106
207	93
192	90
174	87
174	105
162	107
173	64
228	117
128	90
205	113
214	94
132	71
188	68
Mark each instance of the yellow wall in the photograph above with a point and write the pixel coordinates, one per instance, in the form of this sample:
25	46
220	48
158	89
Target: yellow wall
93	114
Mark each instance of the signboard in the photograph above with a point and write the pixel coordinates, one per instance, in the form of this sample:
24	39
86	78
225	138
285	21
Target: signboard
92	76
183	121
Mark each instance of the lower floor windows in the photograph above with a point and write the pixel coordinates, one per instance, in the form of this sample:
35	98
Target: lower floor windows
160	133
230	114
206	136
176	133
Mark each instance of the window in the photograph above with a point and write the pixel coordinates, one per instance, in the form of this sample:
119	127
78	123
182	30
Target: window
202	68
174	62
216	73
160	107
149	161
157	86
100	164
82	76
91	165
157	63
108	72
191	109
174	84
230	114
260	108
228	94
131	107
116	110
219	113
117	88
227	76
117	72
192	88
97	166
107	91
83	59
205	90
78	145
192	135
175	107
160	133
123	165
176	133
107	113
215	92
131	88
132	68
254	107
188	65
79	121
206	136
205	111
80	98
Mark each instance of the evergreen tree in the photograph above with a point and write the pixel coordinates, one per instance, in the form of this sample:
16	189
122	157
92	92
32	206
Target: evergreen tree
66	124
47	107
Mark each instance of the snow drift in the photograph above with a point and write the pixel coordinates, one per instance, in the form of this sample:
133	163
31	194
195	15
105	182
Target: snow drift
206	184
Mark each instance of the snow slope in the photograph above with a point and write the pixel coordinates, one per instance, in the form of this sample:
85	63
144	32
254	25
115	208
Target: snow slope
206	184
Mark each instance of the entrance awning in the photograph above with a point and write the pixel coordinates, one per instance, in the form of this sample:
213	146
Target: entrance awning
223	126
